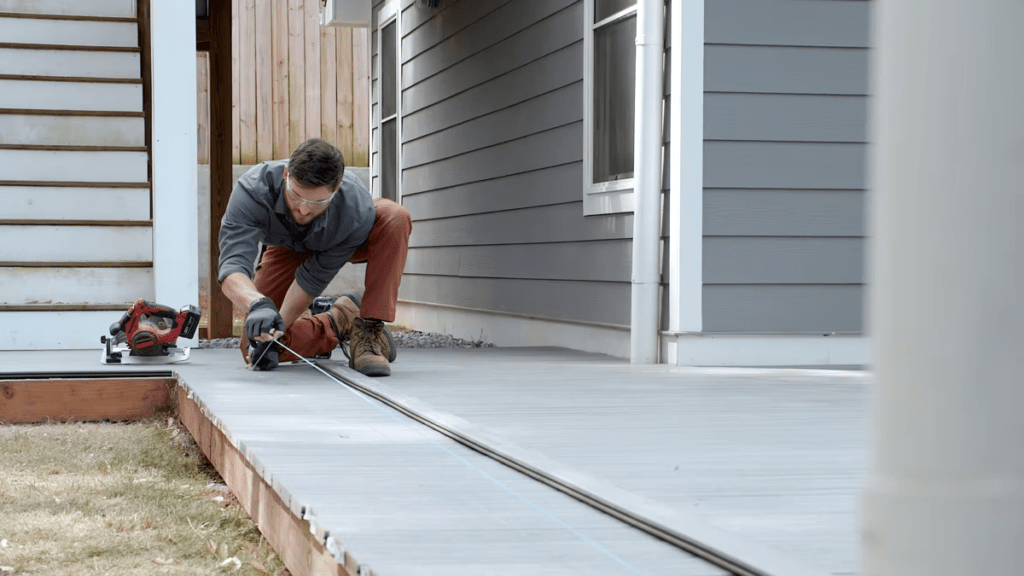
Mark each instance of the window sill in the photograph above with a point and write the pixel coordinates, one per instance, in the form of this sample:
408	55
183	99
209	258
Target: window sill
603	202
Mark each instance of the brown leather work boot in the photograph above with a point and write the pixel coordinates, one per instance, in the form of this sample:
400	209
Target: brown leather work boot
372	348
343	313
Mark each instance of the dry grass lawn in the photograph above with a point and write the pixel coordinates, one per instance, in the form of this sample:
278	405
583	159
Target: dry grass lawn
119	499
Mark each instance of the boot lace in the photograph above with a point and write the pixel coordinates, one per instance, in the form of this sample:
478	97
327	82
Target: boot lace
343	337
367	338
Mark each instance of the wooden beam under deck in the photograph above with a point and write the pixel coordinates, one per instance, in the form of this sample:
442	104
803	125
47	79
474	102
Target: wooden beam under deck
85	399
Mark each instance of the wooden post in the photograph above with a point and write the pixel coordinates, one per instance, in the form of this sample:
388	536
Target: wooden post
279	73
246	102
264	82
203	105
344	95
329	86
296	74
311	45
236	121
220	312
361	96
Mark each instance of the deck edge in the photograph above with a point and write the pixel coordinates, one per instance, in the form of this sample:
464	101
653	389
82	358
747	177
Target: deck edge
291	528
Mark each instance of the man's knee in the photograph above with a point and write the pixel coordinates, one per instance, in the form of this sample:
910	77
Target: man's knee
393	215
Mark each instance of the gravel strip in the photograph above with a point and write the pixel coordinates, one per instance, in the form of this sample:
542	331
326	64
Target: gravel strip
417	339
411	339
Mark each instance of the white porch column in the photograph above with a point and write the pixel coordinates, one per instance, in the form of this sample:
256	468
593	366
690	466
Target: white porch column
175	198
945	493
686	170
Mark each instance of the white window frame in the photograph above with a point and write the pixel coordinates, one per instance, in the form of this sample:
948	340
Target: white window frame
602	197
390	12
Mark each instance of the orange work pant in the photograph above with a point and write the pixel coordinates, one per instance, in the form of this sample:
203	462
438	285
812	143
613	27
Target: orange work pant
384	253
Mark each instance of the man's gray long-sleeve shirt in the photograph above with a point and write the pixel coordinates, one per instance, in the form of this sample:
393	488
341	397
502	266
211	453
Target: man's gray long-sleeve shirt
257	212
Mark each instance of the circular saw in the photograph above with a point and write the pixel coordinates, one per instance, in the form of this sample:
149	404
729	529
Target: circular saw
148	333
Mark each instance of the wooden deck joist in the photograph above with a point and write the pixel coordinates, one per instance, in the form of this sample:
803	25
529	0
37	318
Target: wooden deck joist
89	398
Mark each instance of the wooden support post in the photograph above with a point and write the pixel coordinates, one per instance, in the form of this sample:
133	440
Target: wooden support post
361	96
329	86
264	82
344	95
279	75
220	312
247	81
296	74
311	49
236	123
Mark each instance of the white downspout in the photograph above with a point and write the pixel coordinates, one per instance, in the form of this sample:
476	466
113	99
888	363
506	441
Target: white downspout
650	55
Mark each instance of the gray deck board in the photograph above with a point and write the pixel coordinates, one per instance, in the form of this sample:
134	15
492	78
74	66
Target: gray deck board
399	496
773	455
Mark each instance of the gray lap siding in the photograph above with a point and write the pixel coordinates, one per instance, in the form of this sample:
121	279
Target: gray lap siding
492	150
784	178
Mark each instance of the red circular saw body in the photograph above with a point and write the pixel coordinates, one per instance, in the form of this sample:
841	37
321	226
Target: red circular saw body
151	328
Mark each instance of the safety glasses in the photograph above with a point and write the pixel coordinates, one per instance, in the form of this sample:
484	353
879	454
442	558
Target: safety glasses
310	203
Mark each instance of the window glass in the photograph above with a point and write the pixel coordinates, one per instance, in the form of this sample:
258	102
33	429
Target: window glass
388	83
614	100
388	159
606	8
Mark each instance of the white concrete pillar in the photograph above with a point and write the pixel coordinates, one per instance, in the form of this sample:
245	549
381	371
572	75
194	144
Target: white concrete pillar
945	492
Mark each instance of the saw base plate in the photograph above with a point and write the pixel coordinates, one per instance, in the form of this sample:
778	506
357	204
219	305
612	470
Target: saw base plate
119	353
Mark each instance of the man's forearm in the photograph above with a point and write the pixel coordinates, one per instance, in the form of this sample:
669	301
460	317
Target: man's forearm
296	301
240	290
242	293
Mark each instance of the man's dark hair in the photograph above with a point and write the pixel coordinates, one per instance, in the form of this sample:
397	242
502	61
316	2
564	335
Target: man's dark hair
316	163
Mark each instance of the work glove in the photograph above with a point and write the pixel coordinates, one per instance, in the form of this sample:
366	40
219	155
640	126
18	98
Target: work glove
263	319
262	355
